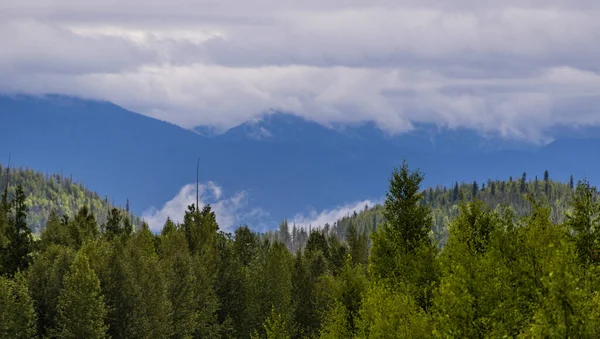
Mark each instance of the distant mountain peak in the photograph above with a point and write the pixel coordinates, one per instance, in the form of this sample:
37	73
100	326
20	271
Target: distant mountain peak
273	126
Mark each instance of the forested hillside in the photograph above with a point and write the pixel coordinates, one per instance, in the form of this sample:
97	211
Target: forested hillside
45	192
498	274
444	203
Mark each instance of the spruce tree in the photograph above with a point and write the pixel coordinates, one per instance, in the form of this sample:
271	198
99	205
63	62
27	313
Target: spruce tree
358	244
523	183
402	250
455	194
20	239
113	226
571	183
408	222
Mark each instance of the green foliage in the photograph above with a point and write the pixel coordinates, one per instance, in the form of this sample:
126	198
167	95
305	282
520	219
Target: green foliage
488	260
391	312
343	294
276	326
403	251
17	315
16	255
46	280
81	309
335	323
445	203
46	193
117	224
176	263
584	220
358	244
408	222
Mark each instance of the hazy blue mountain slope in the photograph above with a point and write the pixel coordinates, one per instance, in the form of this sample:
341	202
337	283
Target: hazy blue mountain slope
297	165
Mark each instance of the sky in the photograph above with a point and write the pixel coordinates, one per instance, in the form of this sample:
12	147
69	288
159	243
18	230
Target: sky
516	68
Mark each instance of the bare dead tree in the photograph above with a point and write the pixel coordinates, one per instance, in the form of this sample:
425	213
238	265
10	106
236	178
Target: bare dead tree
5	196
197	185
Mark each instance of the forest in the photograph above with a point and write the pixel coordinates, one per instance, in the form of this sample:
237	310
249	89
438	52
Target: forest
518	258
46	192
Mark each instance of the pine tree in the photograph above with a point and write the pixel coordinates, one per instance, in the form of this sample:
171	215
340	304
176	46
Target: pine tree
81	309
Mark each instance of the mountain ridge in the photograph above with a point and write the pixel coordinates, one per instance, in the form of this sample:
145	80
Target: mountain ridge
130	156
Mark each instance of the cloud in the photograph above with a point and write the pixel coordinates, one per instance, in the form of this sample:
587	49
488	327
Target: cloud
506	67
319	219
229	211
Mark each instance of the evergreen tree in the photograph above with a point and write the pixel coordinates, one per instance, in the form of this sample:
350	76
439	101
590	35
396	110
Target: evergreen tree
402	249
455	194
284	234
55	232
20	239
81	309
546	183
113	226
176	263
523	187
45	281
83	227
359	245
408	222
571	183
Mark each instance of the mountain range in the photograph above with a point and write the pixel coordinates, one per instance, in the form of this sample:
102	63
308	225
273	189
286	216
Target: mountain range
276	166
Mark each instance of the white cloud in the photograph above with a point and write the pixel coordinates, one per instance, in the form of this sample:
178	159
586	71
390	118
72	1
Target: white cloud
228	210
319	219
497	66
